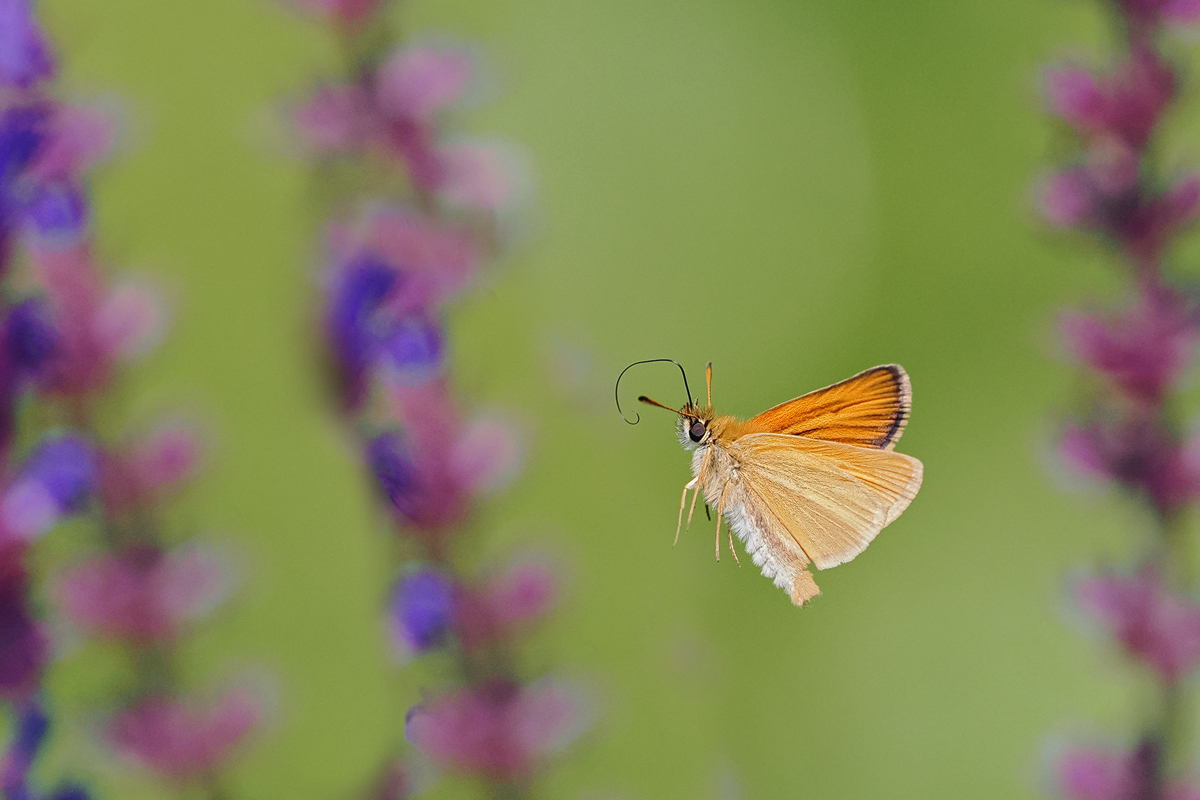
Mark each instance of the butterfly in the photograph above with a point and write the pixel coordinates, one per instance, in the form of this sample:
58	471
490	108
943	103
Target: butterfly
812	480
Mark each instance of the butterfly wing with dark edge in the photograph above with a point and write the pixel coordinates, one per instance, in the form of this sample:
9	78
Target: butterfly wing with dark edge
867	410
832	498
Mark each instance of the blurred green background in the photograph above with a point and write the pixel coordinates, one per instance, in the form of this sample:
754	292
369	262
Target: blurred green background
793	190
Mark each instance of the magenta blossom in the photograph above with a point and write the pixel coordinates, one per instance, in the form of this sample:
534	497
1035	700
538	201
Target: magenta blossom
143	594
346	13
499	730
508	603
1159	627
397	111
185	740
1144	350
417	82
23	645
1136	454
148	468
1094	774
1125	105
1150	12
336	119
1104	196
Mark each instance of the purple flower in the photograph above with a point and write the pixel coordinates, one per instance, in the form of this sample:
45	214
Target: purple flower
66	467
55	480
23	132
31	727
28	338
24	55
1154	625
70	791
1144	350
414	347
423	609
352	326
57	214
395	472
27	342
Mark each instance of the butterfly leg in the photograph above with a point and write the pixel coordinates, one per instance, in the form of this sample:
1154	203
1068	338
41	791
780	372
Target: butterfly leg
720	514
728	530
689	485
693	508
694	485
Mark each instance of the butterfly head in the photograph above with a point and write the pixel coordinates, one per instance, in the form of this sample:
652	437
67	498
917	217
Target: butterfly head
695	425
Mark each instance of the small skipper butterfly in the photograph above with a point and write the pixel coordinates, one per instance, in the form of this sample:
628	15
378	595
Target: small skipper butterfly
810	480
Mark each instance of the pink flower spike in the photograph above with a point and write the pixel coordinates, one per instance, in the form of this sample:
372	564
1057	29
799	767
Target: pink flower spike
166	457
1067	199
1124	106
437	260
80	138
336	118
1144	350
1159	627
1182	789
351	13
27	510
1180	204
523	592
185	740
486	457
478	176
130	321
1095	775
417	81
549	718
1073	95
499	730
1078	447
1181	12
144	596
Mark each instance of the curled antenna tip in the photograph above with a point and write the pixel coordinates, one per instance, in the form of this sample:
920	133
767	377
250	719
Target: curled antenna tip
643	398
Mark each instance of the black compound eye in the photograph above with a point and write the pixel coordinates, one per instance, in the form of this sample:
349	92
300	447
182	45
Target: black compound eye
697	431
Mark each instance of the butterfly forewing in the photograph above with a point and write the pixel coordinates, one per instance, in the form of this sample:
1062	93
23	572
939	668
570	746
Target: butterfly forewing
832	498
868	410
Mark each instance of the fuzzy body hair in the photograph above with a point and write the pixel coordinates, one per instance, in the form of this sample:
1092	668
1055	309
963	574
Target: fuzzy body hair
779	557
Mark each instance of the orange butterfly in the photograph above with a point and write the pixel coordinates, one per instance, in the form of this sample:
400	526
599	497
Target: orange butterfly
813	479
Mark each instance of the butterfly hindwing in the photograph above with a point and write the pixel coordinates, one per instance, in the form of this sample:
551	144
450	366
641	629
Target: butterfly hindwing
832	498
867	410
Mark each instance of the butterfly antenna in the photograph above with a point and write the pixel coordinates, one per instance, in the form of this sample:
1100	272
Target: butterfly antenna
644	399
708	380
